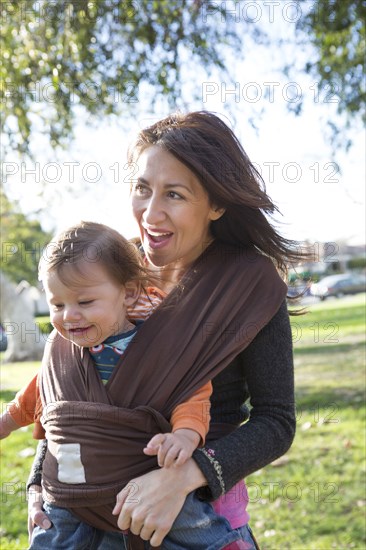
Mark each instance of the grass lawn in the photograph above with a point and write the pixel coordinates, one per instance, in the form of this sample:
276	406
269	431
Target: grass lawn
17	453
313	498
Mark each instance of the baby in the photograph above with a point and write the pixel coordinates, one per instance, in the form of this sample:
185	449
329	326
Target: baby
98	294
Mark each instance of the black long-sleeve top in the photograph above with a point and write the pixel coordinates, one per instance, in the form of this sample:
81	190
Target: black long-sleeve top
262	373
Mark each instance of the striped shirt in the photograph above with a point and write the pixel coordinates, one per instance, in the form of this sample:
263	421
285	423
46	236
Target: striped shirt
107	354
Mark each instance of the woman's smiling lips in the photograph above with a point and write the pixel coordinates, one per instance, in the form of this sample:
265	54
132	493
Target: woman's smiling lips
157	239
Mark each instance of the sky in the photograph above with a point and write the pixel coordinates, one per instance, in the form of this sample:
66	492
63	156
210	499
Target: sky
321	198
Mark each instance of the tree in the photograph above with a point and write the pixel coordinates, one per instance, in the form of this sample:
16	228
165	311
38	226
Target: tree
98	54
336	29
22	243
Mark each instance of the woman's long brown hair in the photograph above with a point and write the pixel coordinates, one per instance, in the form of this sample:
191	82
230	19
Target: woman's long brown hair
210	149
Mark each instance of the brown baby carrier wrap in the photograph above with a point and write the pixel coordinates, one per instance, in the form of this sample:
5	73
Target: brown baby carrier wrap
96	433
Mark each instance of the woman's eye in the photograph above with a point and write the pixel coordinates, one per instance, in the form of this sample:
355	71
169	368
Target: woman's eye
174	195
140	189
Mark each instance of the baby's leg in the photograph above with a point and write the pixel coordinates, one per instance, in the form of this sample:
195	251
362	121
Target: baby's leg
198	527
66	532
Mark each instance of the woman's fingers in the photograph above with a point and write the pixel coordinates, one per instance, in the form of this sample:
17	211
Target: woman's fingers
151	528
154	500
126	495
36	515
146	532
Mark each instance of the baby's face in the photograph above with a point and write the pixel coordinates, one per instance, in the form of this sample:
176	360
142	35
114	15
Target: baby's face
89	308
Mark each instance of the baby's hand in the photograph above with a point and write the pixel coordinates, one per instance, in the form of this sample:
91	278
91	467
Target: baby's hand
173	448
4	432
7	425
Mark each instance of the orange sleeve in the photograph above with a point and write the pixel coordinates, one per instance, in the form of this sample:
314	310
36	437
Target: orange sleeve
194	414
146	303
27	408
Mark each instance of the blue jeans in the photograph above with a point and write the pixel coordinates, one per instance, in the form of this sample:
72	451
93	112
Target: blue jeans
69	533
197	527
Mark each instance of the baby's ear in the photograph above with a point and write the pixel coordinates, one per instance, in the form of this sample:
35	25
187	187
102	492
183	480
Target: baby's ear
132	290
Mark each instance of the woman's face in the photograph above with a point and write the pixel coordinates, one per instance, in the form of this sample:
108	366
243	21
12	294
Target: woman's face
172	209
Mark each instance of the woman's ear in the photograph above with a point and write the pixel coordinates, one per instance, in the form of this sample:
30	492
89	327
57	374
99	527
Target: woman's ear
216	213
132	292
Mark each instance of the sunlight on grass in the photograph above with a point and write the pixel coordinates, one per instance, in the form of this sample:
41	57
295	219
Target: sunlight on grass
14	375
327	324
313	498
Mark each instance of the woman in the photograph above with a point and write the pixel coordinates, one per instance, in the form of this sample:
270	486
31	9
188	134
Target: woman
195	189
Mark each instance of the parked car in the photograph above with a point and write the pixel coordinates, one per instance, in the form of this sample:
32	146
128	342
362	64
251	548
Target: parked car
338	285
300	290
3	339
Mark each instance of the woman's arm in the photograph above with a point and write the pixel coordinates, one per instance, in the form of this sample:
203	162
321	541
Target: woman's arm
35	476
36	516
149	504
267	365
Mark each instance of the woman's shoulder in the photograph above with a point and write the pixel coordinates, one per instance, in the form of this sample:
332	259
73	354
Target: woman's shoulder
245	253
247	259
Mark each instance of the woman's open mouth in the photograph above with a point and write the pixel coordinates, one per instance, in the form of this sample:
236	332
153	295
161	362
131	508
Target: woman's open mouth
157	239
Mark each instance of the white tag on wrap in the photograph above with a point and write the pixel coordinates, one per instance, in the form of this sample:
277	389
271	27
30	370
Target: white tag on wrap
70	467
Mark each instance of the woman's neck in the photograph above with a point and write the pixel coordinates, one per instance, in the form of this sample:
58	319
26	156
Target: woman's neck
168	277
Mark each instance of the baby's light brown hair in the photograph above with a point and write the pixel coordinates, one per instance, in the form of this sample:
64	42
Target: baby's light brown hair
92	242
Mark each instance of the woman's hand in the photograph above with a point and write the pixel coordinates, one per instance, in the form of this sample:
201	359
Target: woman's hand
36	515
149	504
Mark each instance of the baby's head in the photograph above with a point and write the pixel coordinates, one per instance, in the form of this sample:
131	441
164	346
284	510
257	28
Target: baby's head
90	274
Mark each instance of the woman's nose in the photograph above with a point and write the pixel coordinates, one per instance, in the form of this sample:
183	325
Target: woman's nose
153	212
